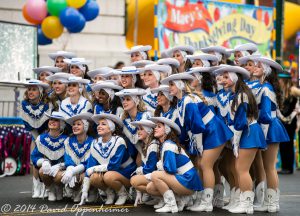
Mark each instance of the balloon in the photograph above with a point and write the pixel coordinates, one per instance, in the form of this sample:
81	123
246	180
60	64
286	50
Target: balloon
70	17
259	14
267	19
52	28
217	14
28	18
36	9
79	27
56	6
90	10
42	39
76	3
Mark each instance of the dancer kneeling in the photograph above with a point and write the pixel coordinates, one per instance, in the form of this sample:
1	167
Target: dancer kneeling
177	173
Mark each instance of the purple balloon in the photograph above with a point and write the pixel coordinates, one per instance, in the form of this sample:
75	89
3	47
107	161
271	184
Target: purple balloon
90	10
42	39
69	17
36	9
79	27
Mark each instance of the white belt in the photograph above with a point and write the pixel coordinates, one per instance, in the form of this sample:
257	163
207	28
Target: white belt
273	114
186	167
208	117
126	163
252	122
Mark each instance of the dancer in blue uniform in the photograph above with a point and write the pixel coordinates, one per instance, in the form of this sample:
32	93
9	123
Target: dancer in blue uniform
48	156
149	156
77	66
110	165
180	53
205	132
45	71
248	136
105	99
134	110
76	103
242	50
269	99
177	174
58	58
129	77
165	103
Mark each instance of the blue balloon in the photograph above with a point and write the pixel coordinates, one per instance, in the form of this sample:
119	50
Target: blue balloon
69	17
42	39
79	26
90	10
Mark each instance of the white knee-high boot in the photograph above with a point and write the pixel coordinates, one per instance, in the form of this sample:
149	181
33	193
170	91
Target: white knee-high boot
36	187
259	194
271	201
246	203
170	203
218	196
206	201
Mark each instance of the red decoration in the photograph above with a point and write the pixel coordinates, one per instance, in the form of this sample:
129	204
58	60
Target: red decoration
267	19
217	14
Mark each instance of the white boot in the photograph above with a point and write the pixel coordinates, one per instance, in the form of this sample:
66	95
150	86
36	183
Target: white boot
146	197
43	191
92	196
51	193
36	188
259	194
277	199
77	195
68	192
170	203
245	204
122	196
160	204
59	192
271	202
231	201
218	196
110	196
197	200
236	198
206	201
182	201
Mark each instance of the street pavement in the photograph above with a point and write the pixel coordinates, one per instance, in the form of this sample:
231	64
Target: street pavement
15	200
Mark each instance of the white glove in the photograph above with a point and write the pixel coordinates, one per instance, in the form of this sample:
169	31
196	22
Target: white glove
148	176
160	166
54	170
139	170
68	175
72	182
138	198
90	171
100	168
265	128
85	189
46	166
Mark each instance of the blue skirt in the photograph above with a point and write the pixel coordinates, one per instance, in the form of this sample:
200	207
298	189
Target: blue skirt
253	137
127	171
277	132
190	180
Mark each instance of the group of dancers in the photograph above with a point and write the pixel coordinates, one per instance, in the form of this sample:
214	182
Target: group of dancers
161	133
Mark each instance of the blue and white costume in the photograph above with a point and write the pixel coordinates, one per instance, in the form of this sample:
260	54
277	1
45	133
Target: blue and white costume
50	148
68	109
150	159
222	101
98	109
273	128
170	114
247	132
210	98
178	163
77	153
150	100
114	154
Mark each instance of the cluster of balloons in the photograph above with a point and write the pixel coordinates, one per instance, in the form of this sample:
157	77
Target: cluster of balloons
52	16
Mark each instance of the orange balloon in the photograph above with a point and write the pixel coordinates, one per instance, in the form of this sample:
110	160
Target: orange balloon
259	14
51	27
28	18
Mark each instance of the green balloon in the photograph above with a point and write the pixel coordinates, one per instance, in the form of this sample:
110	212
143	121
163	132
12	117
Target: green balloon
56	6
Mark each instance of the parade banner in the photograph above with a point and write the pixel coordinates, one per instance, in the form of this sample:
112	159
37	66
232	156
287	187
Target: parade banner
204	23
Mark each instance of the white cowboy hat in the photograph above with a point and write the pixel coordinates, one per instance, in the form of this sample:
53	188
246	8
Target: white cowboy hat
244	47
139	48
132	70
245	59
168	61
161	88
61	76
56	115
167	122
235	69
156	67
75	79
103	71
143	122
112	117
34	82
64	54
180	76
219	49
189	49
49	69
105	84
142	63
199	70
131	92
77	61
86	116
203	56
269	62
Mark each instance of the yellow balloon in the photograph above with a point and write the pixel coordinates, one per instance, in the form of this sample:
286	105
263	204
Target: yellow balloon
51	27
76	3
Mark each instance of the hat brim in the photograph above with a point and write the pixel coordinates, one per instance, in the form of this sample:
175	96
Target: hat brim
145	48
142	63
43	85
235	69
168	122
188	49
245	47
67	55
180	76
205	56
92	74
70	62
218	49
97	87
270	62
146	123
199	70
86	116
81	81
46	69
139	92
59	76
169	61
156	67
55	117
160	89
112	117
245	59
